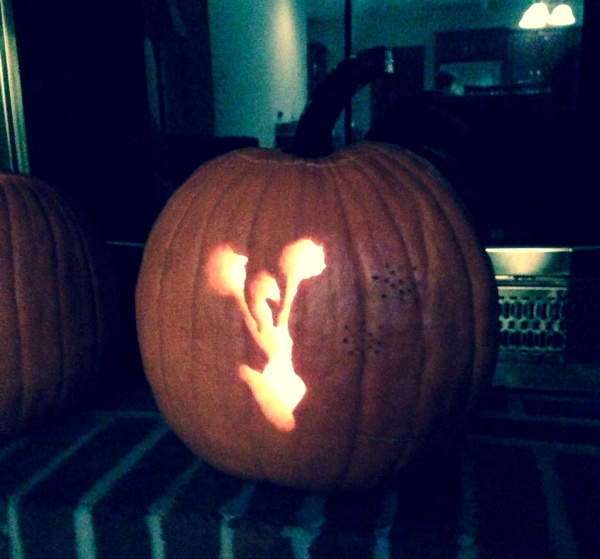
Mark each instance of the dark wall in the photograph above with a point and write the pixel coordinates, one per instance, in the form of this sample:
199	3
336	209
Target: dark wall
86	109
180	45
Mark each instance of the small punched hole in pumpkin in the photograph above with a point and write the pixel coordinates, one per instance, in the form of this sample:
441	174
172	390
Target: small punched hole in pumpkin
277	388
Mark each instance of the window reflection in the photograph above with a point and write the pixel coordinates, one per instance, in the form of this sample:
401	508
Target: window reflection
492	105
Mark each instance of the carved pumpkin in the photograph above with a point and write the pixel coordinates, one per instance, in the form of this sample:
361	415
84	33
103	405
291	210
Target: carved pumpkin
319	322
57	303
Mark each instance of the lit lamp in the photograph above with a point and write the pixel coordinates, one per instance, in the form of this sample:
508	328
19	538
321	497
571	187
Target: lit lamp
561	15
538	16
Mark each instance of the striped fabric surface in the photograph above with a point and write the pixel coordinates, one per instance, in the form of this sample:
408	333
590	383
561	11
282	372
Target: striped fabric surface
116	483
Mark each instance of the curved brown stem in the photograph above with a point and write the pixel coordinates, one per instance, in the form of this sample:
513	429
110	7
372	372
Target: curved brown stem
315	127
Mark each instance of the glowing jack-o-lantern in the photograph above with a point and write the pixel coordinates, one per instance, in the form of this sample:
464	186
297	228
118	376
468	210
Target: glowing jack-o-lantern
317	320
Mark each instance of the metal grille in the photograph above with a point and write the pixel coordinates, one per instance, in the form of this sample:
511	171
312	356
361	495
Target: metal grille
551	322
533	322
549	301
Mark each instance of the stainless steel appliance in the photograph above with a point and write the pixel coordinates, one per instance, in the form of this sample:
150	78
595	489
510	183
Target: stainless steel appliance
549	307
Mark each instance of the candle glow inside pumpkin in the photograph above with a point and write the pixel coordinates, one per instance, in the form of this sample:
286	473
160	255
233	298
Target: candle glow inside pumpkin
277	388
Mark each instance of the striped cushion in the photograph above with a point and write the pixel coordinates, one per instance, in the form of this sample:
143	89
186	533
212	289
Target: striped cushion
116	483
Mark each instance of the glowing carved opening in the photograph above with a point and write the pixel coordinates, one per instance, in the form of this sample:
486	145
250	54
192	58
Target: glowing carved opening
277	389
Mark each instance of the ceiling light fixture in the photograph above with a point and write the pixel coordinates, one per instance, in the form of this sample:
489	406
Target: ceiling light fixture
538	16
561	15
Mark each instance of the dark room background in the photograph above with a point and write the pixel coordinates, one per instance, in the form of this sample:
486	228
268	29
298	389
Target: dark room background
122	100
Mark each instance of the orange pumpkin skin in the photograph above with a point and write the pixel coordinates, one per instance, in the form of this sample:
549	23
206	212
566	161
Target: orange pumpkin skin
395	339
58	303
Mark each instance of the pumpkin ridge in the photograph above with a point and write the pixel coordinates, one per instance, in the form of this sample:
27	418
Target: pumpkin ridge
175	231
458	395
221	192
377	171
91	286
50	309
339	187
271	180
476	268
430	173
159	369
375	179
381	174
20	404
443	214
40	210
240	177
47	218
141	287
345	192
264	156
62	227
71	239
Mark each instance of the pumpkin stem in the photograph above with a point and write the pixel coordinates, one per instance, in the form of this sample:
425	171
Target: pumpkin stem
315	127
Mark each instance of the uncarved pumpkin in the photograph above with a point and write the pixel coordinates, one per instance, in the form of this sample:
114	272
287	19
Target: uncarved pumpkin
316	322
58	304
